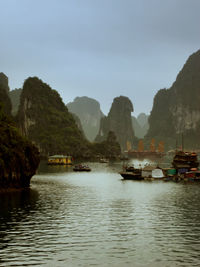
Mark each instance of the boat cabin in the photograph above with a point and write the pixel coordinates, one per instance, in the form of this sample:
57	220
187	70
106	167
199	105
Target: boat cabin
59	160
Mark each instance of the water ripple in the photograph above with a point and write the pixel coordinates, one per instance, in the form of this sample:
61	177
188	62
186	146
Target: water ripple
95	219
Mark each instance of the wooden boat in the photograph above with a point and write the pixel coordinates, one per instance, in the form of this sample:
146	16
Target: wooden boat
131	175
81	168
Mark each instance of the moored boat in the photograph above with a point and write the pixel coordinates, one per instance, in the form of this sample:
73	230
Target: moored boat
81	168
131	175
185	161
185	167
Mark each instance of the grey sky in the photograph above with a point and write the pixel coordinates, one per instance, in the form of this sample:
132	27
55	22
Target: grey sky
99	48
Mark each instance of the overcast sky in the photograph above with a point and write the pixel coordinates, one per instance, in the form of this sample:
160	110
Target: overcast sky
99	48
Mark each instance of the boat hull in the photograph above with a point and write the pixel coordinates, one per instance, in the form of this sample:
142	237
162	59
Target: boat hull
131	176
81	170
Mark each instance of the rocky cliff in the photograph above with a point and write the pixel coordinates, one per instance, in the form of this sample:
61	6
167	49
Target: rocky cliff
176	111
4	82
89	112
19	158
119	121
44	119
4	98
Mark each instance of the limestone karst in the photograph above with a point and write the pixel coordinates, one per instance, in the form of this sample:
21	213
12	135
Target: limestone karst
176	111
119	121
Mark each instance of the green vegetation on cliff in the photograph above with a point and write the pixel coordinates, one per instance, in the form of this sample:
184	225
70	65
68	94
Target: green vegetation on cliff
44	119
19	158
109	148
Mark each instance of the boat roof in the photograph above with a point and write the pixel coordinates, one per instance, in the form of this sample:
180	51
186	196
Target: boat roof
185	153
58	156
183	166
149	168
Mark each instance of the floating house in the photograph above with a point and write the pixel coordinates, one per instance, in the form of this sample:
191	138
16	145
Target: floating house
185	161
60	160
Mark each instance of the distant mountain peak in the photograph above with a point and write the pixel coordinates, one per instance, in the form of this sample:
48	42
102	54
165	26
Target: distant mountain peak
89	112
119	121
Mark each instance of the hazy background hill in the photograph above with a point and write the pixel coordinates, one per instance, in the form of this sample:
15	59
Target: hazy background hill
89	112
15	99
140	125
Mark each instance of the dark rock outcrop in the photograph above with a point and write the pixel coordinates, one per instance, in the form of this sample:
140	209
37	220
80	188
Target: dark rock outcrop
4	82
19	158
119	121
4	98
176	111
89	112
44	119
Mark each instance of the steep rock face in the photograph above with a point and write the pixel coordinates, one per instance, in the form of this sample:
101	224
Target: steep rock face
119	121
19	158
44	119
4	90
177	110
4	82
89	112
15	100
140	125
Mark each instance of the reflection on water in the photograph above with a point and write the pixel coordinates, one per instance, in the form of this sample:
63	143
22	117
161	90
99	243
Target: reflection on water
88	219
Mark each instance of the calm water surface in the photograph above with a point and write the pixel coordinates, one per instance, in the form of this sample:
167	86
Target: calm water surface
96	219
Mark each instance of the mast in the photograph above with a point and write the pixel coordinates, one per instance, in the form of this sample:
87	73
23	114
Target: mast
182	142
